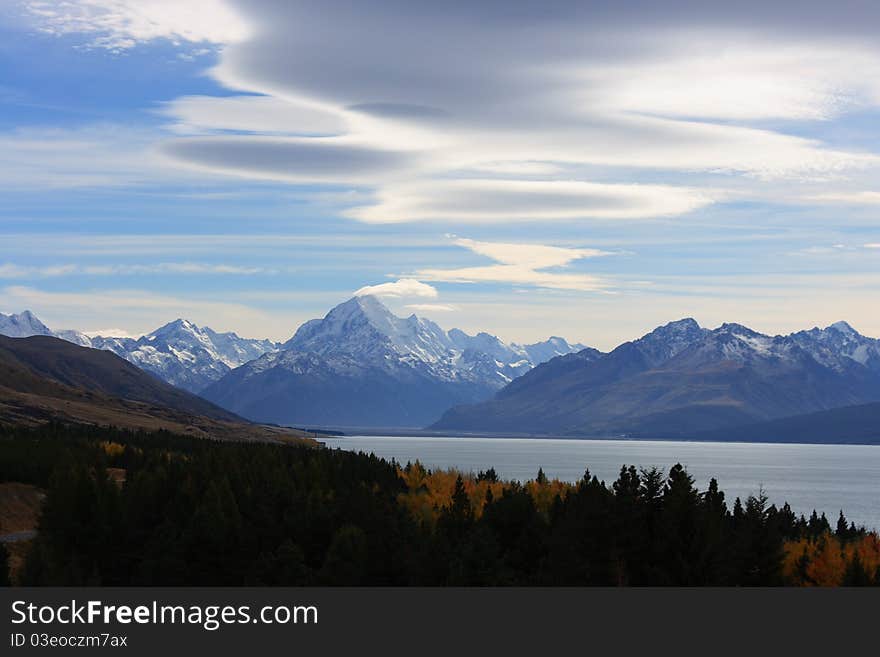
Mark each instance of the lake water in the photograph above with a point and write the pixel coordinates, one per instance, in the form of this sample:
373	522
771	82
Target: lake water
822	477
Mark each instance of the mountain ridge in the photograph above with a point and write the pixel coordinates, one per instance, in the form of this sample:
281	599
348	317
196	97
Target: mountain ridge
47	379
361	365
179	352
682	378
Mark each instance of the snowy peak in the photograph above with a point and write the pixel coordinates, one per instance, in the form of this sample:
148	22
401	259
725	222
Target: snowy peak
554	346
22	325
187	355
363	308
669	340
365	329
839	346
180	352
844	328
736	329
363	326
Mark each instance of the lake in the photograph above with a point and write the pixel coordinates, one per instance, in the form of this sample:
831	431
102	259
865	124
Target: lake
822	477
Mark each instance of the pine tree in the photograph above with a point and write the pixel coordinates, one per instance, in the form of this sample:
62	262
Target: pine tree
489	475
855	574
457	518
842	530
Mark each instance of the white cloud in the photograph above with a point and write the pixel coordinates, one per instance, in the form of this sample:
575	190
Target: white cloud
873	246
849	198
602	93
431	307
123	24
258	114
403	288
525	200
113	332
516	276
93	156
747	79
566	125
522	264
137	311
533	256
13	271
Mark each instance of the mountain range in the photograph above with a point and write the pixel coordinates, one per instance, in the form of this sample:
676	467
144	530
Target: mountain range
180	353
358	366
681	380
363	366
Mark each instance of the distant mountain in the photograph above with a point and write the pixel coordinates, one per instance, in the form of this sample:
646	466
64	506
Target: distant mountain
186	355
846	425
22	325
681	379
363	366
179	353
44	378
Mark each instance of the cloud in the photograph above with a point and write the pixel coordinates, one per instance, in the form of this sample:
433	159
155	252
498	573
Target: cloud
522	264
599	112
431	307
256	114
873	246
743	81
566	128
533	256
525	200
403	288
13	271
849	198
91	156
288	159
123	24
113	332
10	270
136	311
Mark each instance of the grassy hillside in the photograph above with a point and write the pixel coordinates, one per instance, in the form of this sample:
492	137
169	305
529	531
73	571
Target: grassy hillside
43	379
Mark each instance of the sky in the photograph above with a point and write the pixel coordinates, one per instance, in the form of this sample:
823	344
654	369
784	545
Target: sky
583	169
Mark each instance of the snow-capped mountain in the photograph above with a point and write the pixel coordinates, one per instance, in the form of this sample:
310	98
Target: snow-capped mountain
180	353
365	328
839	345
22	325
362	365
682	379
541	352
186	355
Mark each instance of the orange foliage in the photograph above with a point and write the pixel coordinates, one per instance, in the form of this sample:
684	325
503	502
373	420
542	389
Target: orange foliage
429	491
823	562
112	449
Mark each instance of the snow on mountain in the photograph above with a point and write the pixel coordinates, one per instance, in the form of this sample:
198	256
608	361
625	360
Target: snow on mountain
540	352
22	325
179	353
361	365
838	346
681	378
186	355
365	328
667	341
75	337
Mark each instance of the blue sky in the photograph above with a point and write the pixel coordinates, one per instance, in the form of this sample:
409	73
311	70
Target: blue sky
248	165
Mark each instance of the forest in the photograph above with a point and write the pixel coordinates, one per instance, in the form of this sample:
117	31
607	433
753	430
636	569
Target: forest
136	508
